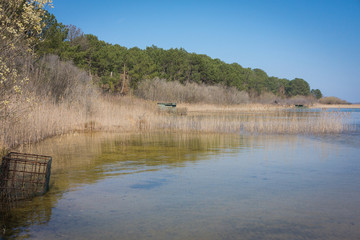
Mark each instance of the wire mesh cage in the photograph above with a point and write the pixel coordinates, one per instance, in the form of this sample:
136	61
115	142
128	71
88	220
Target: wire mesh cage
23	176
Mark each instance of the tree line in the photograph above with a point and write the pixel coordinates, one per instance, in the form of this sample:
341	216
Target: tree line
111	64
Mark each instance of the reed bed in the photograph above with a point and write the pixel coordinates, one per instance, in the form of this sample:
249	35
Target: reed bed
45	119
127	114
239	108
336	106
263	123
41	121
305	123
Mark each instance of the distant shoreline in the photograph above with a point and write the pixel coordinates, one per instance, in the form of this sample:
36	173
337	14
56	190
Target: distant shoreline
335	106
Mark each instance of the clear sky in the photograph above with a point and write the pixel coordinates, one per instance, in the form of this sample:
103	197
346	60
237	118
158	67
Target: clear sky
317	40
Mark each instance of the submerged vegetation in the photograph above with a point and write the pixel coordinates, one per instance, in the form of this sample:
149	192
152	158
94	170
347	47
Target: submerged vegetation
54	79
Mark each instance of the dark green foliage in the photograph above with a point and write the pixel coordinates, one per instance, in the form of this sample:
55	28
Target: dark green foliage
316	93
52	37
110	83
109	62
298	86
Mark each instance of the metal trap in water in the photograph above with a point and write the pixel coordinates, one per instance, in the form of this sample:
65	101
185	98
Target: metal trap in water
23	176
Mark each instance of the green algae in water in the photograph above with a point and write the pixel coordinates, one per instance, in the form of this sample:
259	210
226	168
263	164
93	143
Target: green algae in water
190	186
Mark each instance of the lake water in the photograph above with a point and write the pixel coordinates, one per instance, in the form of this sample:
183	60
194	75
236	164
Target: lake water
195	186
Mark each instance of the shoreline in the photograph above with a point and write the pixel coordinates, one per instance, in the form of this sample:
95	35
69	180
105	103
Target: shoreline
340	106
129	114
255	107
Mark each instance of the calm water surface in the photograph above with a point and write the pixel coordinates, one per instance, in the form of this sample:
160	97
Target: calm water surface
194	186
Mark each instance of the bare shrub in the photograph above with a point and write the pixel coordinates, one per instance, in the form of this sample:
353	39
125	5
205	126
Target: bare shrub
299	100
332	100
55	99
74	33
162	90
267	98
20	26
62	81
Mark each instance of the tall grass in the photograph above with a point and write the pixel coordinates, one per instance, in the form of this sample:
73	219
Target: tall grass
226	109
259	122
295	123
124	114
48	118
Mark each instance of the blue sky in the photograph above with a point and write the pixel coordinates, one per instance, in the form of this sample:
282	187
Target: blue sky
316	40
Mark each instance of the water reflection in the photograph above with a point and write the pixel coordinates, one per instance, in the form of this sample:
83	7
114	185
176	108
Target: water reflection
87	158
192	186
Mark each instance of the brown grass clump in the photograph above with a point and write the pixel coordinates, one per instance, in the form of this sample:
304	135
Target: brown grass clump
332	100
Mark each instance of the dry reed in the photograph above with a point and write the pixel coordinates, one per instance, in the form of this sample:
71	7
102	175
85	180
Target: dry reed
125	114
262	123
335	106
46	119
239	108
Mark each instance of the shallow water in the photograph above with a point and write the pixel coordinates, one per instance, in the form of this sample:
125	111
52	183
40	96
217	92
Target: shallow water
194	186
